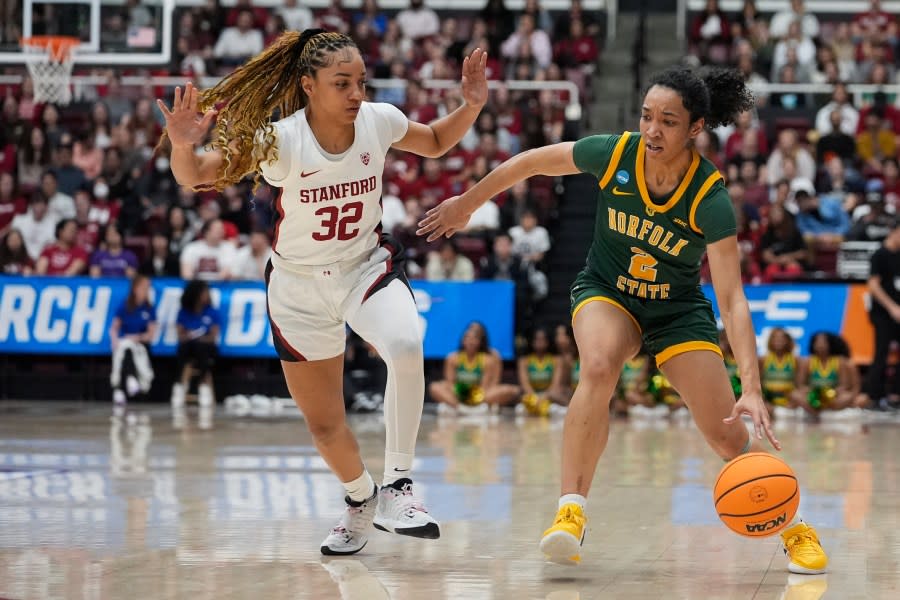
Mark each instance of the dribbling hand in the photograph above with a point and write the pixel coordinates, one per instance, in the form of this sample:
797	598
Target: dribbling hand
752	404
474	80
184	123
444	220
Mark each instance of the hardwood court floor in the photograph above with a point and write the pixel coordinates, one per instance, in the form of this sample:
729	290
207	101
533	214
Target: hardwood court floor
94	511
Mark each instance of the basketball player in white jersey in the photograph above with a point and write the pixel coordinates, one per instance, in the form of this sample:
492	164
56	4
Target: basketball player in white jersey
331	264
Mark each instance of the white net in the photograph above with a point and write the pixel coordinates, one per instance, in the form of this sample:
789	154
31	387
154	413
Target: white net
50	66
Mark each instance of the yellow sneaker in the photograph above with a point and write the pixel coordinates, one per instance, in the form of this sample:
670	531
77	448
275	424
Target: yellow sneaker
801	544
562	542
805	587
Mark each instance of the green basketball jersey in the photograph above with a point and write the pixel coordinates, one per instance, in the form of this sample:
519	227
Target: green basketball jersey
650	248
540	371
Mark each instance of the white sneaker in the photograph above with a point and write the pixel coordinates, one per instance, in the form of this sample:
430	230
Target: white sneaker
399	511
783	412
350	534
119	397
205	395
178	393
557	410
473	410
445	409
132	387
660	411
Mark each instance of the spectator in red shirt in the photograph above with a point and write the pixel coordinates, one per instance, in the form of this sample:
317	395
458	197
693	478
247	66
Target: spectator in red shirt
783	249
88	234
65	257
744	126
11	202
578	49
434	186
334	18
260	14
418	107
710	33
872	21
891	173
7	150
491	151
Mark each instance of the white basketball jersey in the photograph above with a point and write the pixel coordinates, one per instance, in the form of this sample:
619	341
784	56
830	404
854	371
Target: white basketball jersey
329	208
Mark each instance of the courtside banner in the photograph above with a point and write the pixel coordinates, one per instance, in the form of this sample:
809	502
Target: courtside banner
50	315
803	310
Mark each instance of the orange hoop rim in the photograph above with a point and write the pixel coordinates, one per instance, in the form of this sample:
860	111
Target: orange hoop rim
58	47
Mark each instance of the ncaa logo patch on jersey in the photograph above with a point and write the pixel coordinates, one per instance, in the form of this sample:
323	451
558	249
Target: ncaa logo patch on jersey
623	177
365	157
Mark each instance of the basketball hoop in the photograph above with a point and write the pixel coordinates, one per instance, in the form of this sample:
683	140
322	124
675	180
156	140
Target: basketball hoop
49	61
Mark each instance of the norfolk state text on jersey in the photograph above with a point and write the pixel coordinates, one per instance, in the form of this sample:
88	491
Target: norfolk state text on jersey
643	266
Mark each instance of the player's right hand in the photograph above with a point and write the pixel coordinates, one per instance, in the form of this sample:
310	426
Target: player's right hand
184	123
445	219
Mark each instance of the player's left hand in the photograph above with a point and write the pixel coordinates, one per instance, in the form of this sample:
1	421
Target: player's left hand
752	404
444	220
474	80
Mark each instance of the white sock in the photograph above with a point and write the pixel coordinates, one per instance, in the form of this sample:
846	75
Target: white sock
360	488
797	520
396	466
572	499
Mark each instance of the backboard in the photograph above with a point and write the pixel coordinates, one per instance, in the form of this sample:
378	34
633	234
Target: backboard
111	32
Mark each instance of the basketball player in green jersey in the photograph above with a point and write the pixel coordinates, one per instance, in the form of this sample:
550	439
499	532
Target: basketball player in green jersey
660	207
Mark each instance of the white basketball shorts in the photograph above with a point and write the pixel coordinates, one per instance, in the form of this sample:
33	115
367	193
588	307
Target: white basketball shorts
309	305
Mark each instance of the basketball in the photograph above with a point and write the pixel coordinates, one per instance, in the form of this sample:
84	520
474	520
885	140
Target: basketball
756	494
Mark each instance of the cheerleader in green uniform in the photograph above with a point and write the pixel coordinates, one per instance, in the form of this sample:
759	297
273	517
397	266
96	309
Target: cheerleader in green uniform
567	371
535	372
632	390
472	376
828	380
779	371
731	364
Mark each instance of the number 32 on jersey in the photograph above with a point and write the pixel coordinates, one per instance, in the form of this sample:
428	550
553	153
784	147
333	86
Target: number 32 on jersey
643	272
338	222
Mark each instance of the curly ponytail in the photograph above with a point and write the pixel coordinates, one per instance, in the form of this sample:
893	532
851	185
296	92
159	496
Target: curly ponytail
717	94
248	97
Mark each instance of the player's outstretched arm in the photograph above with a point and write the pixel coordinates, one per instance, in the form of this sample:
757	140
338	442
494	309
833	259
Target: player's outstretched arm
453	214
725	268
187	129
436	139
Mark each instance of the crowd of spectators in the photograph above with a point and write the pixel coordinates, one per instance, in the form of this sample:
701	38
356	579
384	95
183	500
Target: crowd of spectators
86	189
807	171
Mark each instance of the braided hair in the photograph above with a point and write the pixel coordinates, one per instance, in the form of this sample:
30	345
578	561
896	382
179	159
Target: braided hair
247	98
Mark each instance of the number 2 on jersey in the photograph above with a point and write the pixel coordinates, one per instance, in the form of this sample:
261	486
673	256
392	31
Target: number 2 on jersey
643	266
338	227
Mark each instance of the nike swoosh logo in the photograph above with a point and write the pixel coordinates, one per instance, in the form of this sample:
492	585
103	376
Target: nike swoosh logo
400	470
618	192
302	174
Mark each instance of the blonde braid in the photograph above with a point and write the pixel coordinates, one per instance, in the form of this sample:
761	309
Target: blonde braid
248	97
